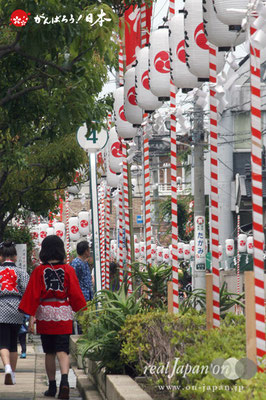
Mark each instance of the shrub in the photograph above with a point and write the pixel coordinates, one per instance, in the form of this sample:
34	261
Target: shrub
101	325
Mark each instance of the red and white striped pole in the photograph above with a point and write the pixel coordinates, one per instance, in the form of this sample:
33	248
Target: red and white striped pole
214	188
143	16
67	228
107	237
121	250
121	60
102	233
173	183
238	255
126	211
257	197
147	192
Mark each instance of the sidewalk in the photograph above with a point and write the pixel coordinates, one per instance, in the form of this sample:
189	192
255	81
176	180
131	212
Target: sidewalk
31	380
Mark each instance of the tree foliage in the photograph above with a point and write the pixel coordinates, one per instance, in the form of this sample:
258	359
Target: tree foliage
51	77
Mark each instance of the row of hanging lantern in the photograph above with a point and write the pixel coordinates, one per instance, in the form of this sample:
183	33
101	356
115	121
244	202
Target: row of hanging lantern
78	226
244	243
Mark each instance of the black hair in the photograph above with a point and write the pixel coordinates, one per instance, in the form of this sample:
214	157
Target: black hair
82	247
8	249
52	249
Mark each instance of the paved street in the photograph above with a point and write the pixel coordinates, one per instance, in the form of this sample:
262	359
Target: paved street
31	380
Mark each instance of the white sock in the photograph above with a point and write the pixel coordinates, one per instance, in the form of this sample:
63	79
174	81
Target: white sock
8	369
13	377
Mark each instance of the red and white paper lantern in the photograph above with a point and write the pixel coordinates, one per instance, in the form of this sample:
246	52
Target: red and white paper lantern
153	251
242	243
113	179
50	231
137	251
180	250
144	97
196	44
34	231
124	128
142	250
228	11
74	234
84	223
192	248
59	230
159	64
42	231
186	251
230	247
216	31
250	245
166	255
115	156
159	254
133	112
180	73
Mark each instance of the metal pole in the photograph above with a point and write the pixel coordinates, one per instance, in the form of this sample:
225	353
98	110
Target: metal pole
95	222
199	202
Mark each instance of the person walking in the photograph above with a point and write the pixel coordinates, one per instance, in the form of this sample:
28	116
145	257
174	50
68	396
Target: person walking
52	294
13	282
83	271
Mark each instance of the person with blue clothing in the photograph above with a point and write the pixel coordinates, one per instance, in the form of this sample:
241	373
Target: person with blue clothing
83	271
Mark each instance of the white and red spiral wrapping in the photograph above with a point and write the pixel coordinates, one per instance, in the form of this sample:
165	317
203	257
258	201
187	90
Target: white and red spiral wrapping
257	198
147	192
67	229
102	233
214	188
107	237
121	251
121	60
238	255
173	183
126	211
143	25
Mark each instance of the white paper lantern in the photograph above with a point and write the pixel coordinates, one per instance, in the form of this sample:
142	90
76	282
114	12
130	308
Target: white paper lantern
180	250
59	230
133	112
242	243
159	64
186	251
166	255
180	73
124	128
42	231
84	222
220	252
159	254
216	31
74	228
50	231
227	11
34	231
153	251
115	156
196	44
137	250
113	179
142	250
250	244
230	247
135	239
144	97
192	247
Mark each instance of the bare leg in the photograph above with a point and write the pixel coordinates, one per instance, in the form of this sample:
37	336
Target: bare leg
50	366
5	356
63	359
13	360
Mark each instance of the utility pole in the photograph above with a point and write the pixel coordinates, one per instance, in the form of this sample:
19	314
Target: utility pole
199	270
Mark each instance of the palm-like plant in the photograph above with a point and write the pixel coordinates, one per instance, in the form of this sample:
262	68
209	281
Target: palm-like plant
154	279
197	299
101	342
